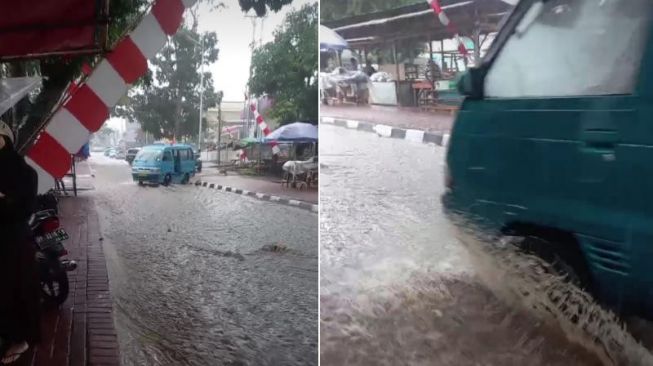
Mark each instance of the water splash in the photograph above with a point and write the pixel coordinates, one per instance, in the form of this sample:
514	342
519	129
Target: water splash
528	281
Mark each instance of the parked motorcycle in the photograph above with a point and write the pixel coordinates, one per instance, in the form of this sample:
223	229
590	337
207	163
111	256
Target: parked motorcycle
53	268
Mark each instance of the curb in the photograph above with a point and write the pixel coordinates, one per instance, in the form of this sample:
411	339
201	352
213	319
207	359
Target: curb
261	196
425	137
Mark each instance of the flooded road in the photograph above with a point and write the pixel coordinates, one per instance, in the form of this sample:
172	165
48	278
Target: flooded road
397	288
195	277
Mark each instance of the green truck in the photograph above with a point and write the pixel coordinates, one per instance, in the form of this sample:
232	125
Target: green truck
554	141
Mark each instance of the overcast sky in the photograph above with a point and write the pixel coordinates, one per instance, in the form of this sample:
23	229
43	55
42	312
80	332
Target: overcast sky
234	31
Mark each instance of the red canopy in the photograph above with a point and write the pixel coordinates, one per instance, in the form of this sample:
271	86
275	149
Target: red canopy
33	28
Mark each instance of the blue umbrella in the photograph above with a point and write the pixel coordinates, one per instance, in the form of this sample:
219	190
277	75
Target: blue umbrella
331	40
298	131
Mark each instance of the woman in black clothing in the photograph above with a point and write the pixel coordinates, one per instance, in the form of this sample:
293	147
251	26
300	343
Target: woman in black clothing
19	283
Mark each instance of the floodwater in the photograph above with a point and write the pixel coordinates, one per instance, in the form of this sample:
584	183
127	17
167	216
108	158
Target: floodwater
399	288
203	277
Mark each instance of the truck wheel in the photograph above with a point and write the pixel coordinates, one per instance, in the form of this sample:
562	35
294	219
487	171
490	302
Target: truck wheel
561	257
564	257
167	179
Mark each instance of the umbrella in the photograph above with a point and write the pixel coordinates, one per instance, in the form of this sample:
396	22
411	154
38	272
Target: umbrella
298	131
331	39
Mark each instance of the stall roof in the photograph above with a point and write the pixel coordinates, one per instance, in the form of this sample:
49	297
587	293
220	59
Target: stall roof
36	28
419	21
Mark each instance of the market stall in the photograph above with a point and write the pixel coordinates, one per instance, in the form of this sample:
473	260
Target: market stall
420	51
301	169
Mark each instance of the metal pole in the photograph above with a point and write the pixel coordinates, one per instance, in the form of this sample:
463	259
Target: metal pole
442	54
250	125
219	129
199	136
394	56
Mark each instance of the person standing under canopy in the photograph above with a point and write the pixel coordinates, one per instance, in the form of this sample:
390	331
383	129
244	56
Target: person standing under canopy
19	281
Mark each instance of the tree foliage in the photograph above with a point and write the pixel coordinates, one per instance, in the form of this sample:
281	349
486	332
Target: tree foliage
261	7
338	9
169	105
286	69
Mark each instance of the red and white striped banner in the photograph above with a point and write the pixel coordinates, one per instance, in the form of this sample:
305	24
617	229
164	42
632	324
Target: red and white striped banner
88	108
264	127
444	19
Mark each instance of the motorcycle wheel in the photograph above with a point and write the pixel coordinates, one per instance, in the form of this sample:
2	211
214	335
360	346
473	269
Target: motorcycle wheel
55	288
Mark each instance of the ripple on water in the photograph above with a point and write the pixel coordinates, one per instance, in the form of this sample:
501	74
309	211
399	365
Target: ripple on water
191	284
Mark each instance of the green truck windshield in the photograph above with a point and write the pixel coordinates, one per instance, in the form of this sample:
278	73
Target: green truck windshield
572	48
148	155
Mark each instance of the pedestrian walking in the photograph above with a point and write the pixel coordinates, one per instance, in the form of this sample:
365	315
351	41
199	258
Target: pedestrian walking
19	281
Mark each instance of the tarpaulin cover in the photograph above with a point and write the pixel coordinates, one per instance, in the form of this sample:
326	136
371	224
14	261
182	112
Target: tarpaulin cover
38	27
330	39
14	89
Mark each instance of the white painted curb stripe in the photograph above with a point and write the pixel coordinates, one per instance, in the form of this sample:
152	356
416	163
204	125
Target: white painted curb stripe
383	130
352	124
445	139
415	135
328	119
275	198
294	202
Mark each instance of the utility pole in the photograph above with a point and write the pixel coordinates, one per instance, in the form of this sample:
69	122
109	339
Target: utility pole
220	94
199	136
252	47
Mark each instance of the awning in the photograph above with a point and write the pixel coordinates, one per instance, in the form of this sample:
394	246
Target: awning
400	17
330	39
31	28
418	22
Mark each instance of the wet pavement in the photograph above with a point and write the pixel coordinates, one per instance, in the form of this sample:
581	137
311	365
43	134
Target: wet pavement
201	277
402	117
397	287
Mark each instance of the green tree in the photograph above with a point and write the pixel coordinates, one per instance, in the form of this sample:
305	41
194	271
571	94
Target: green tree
286	68
169	105
262	6
105	132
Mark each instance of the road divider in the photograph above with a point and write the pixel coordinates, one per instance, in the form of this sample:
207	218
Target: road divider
261	196
420	136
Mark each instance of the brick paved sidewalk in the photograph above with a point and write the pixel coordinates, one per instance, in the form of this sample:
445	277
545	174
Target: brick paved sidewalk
408	118
82	331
